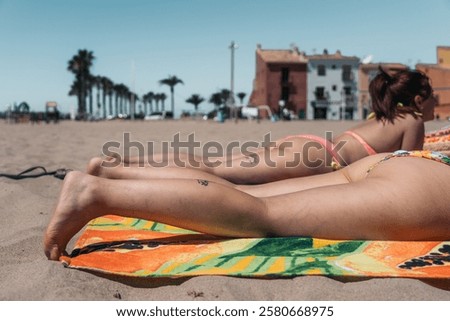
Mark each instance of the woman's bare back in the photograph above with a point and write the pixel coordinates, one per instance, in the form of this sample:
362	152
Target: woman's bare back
405	133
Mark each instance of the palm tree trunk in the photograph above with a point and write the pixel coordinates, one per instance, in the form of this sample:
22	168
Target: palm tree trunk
172	98
110	105
90	100
104	104
82	106
98	100
117	105
80	103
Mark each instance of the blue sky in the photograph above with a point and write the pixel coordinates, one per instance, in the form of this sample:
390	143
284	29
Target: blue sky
190	39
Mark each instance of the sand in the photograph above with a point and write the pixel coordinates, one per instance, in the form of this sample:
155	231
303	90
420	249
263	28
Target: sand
26	207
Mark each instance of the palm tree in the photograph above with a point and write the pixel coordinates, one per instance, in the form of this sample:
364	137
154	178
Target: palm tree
80	65
107	86
195	100
226	95
92	82
148	98
98	86
171	81
216	99
145	101
133	98
163	97
75	89
125	99
221	99
241	96
121	93
157	98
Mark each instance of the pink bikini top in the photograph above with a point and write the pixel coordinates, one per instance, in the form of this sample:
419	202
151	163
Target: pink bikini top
366	146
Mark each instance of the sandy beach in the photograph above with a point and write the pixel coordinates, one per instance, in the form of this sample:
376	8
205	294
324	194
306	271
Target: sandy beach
26	207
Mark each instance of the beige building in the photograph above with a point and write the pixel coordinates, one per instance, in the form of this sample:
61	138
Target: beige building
443	56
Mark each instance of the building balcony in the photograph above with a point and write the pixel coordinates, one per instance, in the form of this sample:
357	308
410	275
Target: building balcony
320	103
349	101
348	76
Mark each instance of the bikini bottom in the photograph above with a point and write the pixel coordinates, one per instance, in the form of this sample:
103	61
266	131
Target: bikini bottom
435	156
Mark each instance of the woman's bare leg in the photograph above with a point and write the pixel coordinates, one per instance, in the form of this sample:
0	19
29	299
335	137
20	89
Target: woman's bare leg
194	204
99	167
296	157
403	201
159	160
261	190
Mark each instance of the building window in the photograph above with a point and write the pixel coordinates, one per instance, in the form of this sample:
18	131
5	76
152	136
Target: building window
321	70
334	87
285	93
347	74
320	93
320	113
333	67
347	90
348	97
284	75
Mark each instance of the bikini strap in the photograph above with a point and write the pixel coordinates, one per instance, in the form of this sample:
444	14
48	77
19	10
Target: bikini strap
366	146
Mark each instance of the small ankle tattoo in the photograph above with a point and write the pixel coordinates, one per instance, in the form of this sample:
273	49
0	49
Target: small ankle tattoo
203	182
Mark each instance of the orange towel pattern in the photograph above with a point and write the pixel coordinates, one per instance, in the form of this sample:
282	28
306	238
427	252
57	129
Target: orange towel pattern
139	248
437	140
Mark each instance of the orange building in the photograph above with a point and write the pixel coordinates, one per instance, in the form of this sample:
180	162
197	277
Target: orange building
440	79
367	72
281	80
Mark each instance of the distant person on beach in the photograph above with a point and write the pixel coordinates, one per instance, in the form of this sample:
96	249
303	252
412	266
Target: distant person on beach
401	103
397	196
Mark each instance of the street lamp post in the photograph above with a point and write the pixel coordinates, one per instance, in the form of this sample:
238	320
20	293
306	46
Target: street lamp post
233	47
132	101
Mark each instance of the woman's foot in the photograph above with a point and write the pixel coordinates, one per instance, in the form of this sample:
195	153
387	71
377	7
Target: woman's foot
72	212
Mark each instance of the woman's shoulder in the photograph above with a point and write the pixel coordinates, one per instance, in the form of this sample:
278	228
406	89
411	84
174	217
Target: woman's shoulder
408	121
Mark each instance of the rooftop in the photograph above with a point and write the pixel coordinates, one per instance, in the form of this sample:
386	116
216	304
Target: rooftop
435	66
282	56
293	55
389	65
327	56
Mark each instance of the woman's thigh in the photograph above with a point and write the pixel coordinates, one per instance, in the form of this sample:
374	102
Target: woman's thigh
401	199
296	157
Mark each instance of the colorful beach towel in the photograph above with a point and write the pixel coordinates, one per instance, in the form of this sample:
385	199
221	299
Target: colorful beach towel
438	140
139	248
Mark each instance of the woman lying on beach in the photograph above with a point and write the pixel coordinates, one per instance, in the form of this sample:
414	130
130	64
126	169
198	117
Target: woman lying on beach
399	196
401	103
